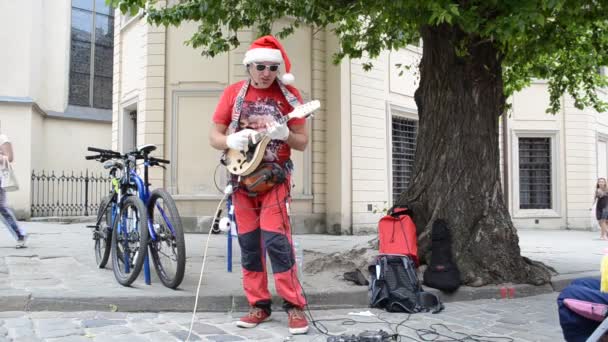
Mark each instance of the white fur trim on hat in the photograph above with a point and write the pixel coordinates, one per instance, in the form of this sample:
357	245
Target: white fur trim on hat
288	78
262	55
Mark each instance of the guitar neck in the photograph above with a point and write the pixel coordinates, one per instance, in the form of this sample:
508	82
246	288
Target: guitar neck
260	135
302	111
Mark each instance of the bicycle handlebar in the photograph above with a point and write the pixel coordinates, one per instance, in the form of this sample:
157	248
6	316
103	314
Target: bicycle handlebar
109	154
158	160
102	151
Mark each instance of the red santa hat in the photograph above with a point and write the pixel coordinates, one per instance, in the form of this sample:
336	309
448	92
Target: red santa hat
268	49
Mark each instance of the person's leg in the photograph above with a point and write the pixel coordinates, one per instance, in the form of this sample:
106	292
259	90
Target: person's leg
575	327
255	280
603	229
8	218
276	232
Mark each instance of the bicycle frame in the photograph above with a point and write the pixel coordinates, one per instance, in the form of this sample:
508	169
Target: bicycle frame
143	191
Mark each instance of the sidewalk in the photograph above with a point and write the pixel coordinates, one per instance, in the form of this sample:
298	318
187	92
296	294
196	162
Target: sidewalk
57	272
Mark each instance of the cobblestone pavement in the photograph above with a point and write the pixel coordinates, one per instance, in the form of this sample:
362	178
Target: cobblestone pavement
520	319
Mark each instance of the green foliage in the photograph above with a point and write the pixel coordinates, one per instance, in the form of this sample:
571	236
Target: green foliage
562	41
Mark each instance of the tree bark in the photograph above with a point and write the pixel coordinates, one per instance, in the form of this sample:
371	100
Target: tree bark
457	173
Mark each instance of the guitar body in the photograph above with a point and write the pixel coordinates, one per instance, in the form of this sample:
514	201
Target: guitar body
242	163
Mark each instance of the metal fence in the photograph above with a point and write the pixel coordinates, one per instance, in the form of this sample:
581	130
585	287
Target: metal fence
68	194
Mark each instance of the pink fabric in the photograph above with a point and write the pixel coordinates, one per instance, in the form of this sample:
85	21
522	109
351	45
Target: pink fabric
592	311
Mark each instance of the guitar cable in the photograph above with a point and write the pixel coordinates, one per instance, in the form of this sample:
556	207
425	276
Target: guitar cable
227	192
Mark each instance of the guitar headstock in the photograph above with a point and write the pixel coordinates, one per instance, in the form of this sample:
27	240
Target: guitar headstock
305	110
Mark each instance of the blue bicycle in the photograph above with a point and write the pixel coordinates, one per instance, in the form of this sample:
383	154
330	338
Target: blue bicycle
164	234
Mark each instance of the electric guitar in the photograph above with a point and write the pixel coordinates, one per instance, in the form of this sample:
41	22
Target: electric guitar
244	162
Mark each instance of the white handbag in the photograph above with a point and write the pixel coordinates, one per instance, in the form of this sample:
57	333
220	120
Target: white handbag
8	180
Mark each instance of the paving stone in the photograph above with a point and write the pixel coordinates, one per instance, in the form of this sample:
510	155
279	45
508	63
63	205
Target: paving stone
54	324
54	314
70	339
60	333
119	338
206	329
110	329
111	315
17	322
183	334
513	321
143	327
256	334
160	336
27	339
142	316
94	323
529	336
224	338
19	333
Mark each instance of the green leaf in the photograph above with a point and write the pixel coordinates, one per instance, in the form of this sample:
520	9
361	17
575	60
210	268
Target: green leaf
557	40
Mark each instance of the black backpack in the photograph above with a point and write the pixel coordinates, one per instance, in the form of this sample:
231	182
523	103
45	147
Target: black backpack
394	286
442	272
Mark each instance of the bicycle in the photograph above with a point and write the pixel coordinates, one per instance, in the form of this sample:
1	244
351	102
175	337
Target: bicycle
128	231
165	236
165	227
102	229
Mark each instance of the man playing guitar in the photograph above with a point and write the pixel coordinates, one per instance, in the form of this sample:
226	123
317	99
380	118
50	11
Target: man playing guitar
244	108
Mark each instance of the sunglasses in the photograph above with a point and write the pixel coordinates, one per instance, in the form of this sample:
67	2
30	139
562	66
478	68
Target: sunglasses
262	67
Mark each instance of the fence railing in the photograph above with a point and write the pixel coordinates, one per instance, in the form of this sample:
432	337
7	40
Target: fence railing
68	194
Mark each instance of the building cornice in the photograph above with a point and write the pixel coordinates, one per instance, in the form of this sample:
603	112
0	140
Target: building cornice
71	112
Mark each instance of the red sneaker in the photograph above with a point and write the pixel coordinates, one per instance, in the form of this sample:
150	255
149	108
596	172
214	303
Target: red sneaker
297	321
253	318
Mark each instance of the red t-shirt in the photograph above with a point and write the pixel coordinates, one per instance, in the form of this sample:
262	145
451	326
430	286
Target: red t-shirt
260	107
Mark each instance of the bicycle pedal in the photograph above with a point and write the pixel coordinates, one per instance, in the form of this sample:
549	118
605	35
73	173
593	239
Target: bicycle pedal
91	226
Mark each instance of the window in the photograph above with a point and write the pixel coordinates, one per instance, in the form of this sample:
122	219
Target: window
535	173
92	54
404	132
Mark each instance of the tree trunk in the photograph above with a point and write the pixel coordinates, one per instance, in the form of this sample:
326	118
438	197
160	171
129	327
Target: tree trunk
456	176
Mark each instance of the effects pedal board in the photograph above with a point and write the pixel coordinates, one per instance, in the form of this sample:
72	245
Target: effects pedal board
366	336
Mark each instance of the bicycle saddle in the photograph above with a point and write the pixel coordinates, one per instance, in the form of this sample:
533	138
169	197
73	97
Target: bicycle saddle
146	148
113	163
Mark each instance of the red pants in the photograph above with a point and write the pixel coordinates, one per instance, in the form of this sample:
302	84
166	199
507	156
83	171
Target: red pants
263	220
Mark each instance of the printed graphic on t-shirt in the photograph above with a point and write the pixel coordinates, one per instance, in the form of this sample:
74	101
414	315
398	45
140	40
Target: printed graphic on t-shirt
257	115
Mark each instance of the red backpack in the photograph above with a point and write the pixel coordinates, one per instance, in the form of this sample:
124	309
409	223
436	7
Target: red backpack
397	234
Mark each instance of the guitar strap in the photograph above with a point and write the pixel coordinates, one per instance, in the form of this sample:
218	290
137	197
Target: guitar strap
240	98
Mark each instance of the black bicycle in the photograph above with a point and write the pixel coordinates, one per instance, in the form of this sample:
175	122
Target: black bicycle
108	209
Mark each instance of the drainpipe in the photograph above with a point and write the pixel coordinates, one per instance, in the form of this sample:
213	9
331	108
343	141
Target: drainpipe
505	159
563	146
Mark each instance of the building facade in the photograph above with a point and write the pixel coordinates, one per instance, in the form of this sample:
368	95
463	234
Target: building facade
361	151
55	89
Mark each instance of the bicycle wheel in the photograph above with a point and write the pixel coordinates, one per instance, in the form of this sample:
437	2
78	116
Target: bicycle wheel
168	250
102	235
129	241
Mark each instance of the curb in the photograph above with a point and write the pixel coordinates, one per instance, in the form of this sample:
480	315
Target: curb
64	219
356	298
